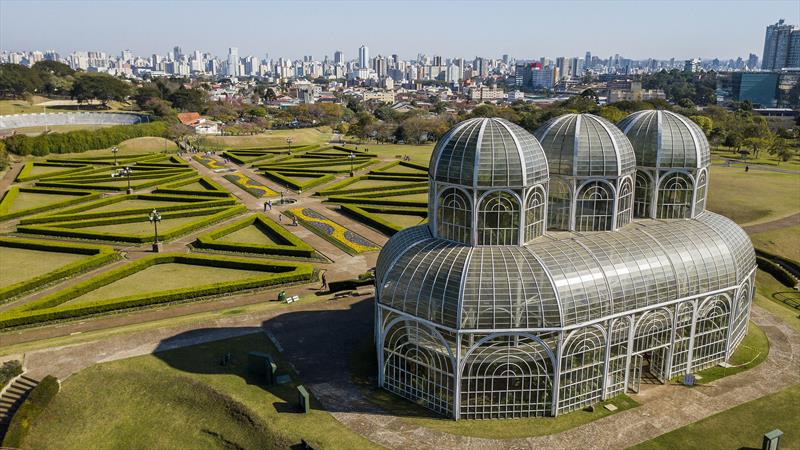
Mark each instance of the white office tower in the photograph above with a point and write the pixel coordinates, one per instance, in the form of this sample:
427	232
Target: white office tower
233	62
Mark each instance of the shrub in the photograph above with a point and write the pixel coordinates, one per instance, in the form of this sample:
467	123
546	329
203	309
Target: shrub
8	371
283	177
366	215
81	140
69	168
289	244
31	408
72	197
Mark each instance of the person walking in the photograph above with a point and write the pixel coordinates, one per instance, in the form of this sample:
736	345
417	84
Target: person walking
266	205
324	281
269	203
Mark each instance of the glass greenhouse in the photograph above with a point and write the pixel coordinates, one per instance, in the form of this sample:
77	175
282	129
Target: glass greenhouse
515	302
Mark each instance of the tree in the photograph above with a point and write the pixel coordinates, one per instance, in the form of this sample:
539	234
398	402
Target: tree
194	99
99	86
16	80
147	92
612	113
705	123
780	150
269	95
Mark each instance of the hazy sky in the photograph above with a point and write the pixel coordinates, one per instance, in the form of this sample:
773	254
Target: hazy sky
635	29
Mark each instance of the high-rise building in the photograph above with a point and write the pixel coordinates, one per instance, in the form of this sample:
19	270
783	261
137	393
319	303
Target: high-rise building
752	61
233	62
338	57
781	47
691	65
363	57
587	60
177	52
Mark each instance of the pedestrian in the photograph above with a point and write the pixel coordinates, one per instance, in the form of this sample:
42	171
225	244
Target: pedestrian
269	203
266	205
280	218
294	221
747	168
324	281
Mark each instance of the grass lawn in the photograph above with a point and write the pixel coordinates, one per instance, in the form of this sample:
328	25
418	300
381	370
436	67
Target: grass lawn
418	153
18	264
28	200
764	159
183	399
753	197
303	136
778	299
752	351
164	277
403	220
249	235
135	146
739	427
133	204
783	242
34	131
22	106
38	170
364	368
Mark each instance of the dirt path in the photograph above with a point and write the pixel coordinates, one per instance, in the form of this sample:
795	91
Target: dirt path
777	224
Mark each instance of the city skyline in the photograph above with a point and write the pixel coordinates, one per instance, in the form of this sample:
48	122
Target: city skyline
55	28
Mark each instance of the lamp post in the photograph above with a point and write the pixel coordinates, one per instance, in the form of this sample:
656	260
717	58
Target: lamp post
114	151
124	172
352	158
154	218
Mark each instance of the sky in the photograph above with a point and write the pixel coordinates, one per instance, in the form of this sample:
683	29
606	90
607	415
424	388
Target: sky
522	29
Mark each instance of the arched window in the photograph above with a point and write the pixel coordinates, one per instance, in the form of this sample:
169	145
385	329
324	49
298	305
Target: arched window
643	196
594	207
675	197
711	332
454	217
498	219
559	204
700	200
534	214
624	203
582	369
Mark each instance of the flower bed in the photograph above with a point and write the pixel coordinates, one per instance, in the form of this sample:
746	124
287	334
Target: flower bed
209	162
250	185
286	244
349	241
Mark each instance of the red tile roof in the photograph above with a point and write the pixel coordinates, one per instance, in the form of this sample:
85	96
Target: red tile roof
188	118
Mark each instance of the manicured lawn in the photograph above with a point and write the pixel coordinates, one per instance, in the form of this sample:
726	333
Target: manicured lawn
34	131
778	299
753	197
134	204
38	170
739	427
181	399
418	153
18	264
28	200
783	242
135	146
752	351
249	235
304	136
164	277
404	220
764	159
364	368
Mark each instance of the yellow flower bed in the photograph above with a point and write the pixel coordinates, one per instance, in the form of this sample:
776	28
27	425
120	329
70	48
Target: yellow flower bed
333	231
211	163
251	186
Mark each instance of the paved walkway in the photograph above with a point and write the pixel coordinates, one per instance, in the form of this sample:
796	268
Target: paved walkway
788	221
766	168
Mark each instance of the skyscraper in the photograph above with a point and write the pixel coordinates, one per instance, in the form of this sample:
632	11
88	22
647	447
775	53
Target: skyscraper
363	57
233	62
338	57
781	47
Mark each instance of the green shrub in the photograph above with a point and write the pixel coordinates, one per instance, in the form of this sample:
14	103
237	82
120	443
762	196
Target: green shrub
8	371
29	410
282	178
366	215
69	168
100	255
84	184
53	307
289	244
341	187
81	140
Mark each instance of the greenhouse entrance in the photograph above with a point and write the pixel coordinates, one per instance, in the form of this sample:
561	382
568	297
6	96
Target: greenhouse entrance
647	368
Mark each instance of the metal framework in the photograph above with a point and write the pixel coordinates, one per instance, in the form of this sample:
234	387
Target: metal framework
482	314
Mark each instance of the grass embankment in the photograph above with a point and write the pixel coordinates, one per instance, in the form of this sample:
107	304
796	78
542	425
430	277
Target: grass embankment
782	242
739	427
753	197
185	398
20	264
776	298
20	106
764	159
418	153
364	368
752	351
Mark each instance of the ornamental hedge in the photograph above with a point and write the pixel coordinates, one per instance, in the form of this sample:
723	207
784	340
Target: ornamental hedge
71	229
341	187
31	408
84	212
10	196
98	255
81	140
283	177
56	306
367	215
287	244
775	269
69	168
98	186
213	189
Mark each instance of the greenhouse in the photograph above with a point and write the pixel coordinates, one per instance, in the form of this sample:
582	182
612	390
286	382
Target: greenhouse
491	311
